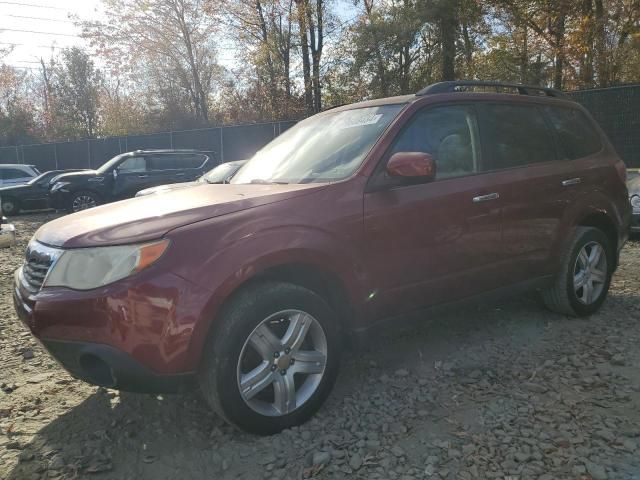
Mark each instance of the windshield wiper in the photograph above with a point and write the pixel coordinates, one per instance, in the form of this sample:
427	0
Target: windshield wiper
259	181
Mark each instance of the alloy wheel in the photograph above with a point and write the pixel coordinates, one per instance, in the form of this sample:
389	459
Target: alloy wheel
83	202
590	273
282	363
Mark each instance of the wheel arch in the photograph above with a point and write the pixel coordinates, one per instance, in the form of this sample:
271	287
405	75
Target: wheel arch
604	223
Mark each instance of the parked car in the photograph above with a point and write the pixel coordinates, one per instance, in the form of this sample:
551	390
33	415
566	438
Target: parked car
33	195
633	185
16	174
124	175
352	217
7	233
220	174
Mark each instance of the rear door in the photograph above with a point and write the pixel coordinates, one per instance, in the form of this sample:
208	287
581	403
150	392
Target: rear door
521	149
433	242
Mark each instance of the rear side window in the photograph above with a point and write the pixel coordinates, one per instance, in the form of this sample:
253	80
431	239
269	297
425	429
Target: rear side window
576	135
163	162
449	134
516	135
191	161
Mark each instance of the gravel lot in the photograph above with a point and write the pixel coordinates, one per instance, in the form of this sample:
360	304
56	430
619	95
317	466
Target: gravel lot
506	392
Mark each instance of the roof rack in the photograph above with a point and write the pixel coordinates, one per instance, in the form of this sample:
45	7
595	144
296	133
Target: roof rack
466	85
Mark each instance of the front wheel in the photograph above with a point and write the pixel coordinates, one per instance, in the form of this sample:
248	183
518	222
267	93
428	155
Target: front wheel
583	281
10	206
272	359
83	201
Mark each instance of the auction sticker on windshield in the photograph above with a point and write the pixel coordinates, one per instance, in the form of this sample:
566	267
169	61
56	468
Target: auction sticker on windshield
358	118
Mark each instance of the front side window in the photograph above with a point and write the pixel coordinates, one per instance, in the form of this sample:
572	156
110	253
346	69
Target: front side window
449	134
133	164
324	148
516	135
576	135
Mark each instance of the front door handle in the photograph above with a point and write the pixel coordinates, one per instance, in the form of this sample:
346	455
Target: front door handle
143	176
571	181
486	198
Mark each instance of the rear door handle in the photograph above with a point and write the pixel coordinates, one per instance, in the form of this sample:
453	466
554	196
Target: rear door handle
179	174
486	198
571	181
143	176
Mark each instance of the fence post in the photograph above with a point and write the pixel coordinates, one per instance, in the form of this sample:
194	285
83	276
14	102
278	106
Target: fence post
17	155
221	146
171	140
89	152
55	154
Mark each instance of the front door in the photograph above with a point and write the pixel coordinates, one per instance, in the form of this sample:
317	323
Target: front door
433	242
132	175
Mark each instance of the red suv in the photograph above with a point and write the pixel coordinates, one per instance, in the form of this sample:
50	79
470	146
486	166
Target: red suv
353	216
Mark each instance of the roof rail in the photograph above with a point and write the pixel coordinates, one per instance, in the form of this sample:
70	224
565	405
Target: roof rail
461	86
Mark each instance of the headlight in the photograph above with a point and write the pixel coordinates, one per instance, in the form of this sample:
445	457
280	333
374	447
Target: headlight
635	203
87	268
58	185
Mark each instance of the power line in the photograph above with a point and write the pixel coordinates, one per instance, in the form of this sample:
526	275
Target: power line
35	31
31	5
29	45
41	18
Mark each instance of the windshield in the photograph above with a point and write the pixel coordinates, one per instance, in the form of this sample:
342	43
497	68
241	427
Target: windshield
107	166
324	148
221	172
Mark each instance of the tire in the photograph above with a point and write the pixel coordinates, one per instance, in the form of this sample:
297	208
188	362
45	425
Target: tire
230	356
83	200
10	206
566	296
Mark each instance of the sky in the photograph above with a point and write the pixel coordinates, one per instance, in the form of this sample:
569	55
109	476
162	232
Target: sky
48	27
36	28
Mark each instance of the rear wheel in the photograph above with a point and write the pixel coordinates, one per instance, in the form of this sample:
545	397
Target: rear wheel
583	281
84	200
10	206
272	360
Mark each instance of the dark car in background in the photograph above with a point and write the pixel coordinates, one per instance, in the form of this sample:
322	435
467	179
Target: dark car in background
223	173
33	195
633	185
125	175
16	174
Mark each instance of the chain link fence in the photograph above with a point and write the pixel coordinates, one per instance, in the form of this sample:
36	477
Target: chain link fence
226	144
616	109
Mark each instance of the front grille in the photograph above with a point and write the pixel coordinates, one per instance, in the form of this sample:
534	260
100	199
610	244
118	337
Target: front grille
38	261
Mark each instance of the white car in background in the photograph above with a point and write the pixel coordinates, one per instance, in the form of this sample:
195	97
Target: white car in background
16	174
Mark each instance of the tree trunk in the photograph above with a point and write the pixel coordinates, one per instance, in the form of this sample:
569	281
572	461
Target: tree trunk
601	45
448	26
304	44
316	41
559	32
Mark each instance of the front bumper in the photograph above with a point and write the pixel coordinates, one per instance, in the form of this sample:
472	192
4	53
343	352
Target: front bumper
7	235
133	335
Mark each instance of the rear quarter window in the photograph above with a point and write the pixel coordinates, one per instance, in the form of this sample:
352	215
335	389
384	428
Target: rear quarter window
13	173
191	161
576	135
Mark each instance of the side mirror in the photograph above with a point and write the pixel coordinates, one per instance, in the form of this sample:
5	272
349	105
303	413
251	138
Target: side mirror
412	165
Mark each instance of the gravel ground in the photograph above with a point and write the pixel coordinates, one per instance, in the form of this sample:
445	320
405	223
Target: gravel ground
506	392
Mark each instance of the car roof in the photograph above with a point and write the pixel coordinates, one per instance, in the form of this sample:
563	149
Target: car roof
165	151
468	88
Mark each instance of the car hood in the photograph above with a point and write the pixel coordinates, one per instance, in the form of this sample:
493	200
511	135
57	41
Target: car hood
150	217
65	177
166	188
14	188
